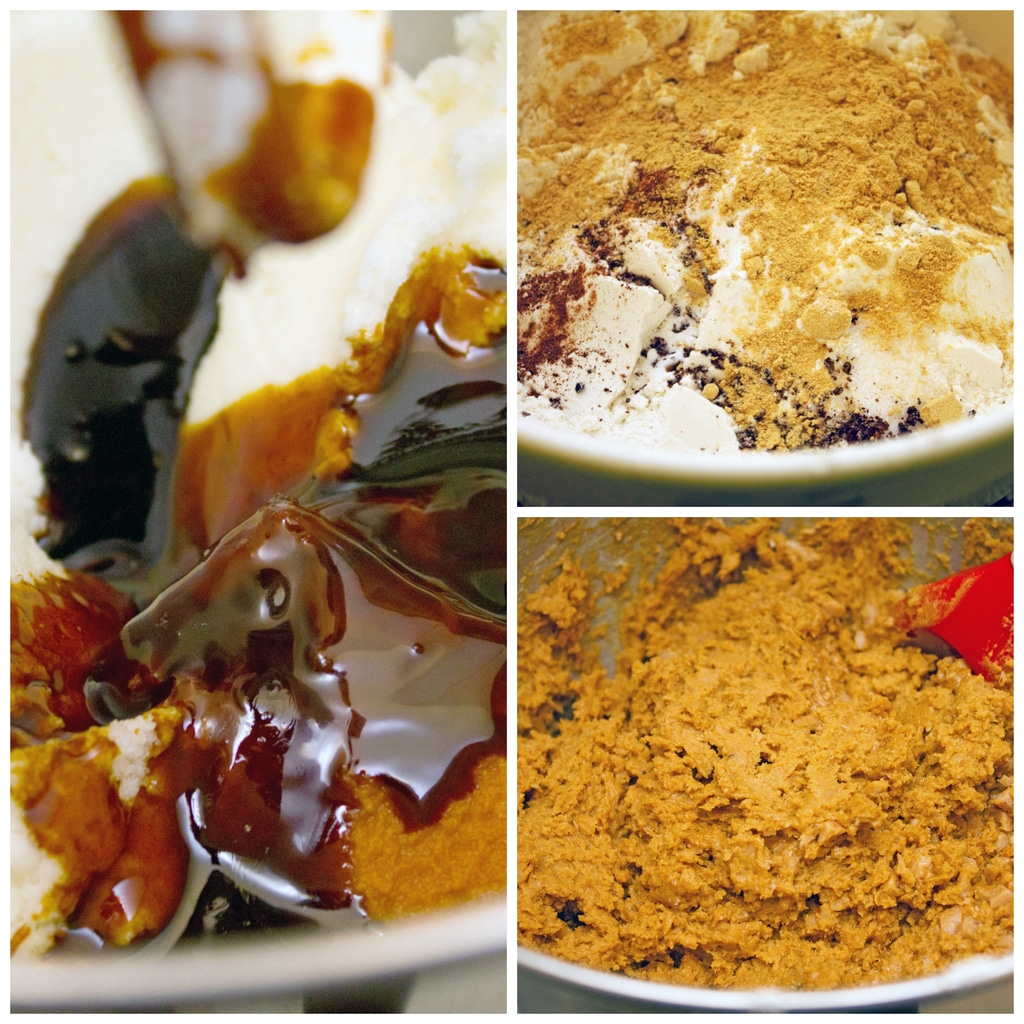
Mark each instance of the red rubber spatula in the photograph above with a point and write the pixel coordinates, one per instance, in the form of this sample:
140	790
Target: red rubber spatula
972	611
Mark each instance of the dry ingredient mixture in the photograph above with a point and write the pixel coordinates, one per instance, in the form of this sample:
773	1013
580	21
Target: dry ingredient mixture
770	789
780	230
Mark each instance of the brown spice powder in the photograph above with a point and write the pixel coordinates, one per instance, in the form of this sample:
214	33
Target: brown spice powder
844	135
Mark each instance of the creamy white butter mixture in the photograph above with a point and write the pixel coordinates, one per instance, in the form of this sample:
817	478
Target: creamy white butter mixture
81	135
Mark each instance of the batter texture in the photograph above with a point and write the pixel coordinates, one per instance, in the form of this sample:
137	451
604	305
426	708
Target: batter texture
770	789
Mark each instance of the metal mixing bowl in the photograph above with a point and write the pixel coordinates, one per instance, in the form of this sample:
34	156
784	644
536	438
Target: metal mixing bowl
640	545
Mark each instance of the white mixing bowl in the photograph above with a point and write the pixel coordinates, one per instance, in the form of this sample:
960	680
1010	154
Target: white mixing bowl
966	463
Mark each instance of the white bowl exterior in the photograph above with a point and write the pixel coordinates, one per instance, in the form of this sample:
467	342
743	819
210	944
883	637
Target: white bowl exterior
250	966
966	463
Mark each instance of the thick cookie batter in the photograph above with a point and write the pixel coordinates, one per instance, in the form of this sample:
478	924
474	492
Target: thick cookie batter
770	789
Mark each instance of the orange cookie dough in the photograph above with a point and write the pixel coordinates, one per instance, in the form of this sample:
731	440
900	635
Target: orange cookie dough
770	789
462	856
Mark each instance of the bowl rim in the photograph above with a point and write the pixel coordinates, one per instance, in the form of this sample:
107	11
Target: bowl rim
863	459
252	965
959	977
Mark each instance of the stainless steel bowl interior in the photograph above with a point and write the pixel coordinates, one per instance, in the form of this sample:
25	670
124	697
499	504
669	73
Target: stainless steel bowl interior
639	545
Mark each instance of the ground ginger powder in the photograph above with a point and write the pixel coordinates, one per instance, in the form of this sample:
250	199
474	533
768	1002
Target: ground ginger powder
771	789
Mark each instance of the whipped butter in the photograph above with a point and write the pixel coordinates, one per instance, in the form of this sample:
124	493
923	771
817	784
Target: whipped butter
80	136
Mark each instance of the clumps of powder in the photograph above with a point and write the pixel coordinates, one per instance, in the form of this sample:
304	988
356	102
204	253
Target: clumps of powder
825	318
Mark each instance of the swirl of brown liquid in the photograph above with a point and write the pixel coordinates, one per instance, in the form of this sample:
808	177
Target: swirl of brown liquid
352	631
